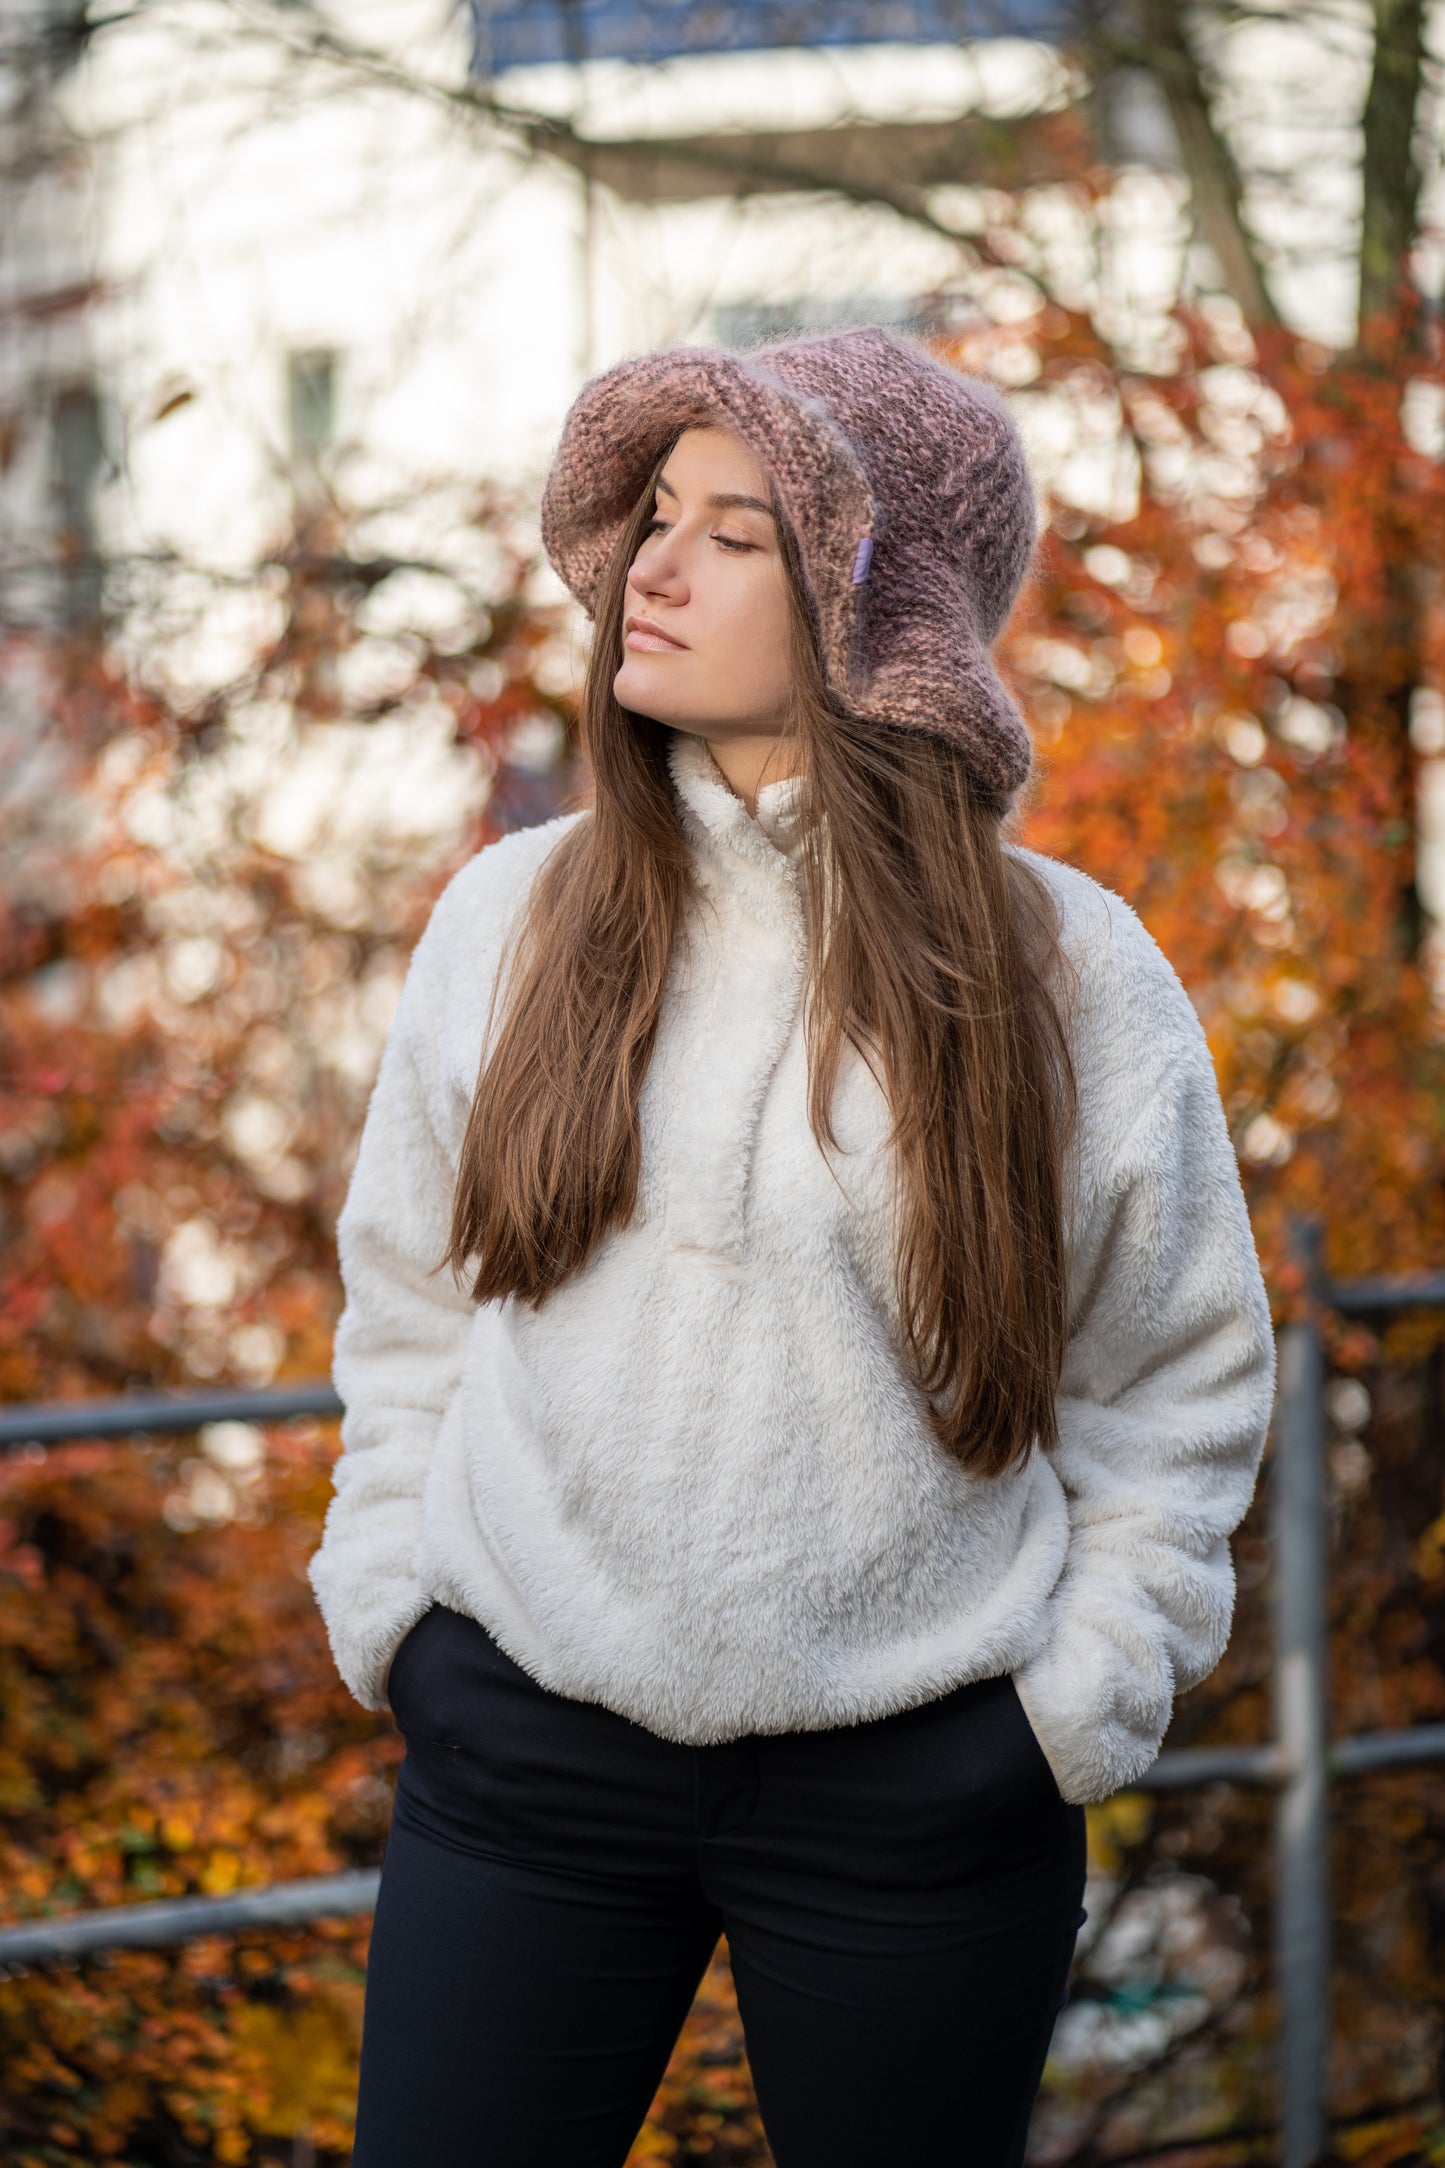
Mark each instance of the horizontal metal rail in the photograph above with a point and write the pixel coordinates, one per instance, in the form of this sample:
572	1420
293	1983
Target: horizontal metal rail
54	1422
182	1919
1266	1767
1383	1298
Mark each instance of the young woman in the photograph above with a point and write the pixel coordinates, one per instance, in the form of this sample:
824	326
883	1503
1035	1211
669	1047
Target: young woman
812	1481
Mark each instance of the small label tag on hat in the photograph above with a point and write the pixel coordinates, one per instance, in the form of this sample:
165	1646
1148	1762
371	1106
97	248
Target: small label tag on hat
862	559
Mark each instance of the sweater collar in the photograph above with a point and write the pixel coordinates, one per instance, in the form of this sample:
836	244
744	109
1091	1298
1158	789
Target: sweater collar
716	818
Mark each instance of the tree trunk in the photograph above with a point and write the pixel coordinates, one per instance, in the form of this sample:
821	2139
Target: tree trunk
1390	170
1214	179
1390	191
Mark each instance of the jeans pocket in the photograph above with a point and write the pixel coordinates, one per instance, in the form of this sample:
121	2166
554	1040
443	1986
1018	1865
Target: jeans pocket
1042	1765
404	1649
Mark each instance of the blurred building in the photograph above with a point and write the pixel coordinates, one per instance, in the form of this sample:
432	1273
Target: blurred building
56	427
246	261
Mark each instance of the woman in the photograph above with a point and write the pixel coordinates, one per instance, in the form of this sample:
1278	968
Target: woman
812	1482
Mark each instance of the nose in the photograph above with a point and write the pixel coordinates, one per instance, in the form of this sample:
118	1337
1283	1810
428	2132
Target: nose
657	569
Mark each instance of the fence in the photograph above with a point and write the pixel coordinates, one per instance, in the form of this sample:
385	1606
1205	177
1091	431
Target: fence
1299	1763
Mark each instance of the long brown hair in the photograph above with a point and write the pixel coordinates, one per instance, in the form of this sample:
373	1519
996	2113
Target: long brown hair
936	956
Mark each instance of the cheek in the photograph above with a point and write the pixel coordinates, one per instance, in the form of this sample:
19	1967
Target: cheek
739	661
755	631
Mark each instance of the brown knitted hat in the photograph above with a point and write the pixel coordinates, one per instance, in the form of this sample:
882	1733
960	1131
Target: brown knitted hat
904	481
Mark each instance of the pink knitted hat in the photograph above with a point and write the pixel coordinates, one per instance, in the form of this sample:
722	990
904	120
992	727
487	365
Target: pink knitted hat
904	481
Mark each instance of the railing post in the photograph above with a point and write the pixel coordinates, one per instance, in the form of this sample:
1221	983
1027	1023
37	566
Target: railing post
1302	1865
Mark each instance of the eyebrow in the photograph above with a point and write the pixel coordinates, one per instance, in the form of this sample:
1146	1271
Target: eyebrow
722	500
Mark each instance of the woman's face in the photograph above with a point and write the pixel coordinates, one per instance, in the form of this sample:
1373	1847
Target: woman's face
706	613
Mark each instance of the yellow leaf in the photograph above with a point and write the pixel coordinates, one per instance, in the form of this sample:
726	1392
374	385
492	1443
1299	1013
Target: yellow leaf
306	2060
221	1873
1430	1551
1114	1826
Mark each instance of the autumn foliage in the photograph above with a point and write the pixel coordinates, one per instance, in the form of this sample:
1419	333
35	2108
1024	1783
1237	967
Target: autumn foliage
1234	751
1221	681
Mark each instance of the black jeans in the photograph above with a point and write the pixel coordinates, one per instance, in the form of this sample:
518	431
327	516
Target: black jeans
901	1900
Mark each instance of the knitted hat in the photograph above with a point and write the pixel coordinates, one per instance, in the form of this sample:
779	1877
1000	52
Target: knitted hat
904	481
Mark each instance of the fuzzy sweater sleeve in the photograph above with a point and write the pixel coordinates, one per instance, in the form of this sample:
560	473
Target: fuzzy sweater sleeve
1164	1402
400	1340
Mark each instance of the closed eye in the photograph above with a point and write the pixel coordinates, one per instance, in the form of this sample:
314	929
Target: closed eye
659	526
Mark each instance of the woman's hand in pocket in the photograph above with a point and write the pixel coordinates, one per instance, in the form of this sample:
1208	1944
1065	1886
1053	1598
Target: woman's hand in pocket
398	1659
1035	1746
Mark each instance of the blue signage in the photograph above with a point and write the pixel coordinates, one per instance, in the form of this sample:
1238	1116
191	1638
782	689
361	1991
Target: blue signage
521	33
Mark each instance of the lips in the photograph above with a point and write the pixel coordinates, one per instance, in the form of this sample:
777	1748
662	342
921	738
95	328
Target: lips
641	632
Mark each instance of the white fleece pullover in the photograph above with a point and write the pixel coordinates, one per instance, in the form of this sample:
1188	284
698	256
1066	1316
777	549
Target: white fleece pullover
696	1486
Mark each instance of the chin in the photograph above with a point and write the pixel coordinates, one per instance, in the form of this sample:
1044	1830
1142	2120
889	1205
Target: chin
644	700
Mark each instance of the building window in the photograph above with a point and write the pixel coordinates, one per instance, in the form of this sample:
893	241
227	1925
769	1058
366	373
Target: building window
81	462
311	386
311	401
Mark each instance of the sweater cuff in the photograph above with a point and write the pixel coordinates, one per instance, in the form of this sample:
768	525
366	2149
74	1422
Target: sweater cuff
365	1632
1096	1738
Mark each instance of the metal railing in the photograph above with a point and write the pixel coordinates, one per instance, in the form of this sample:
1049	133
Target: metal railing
1299	1764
